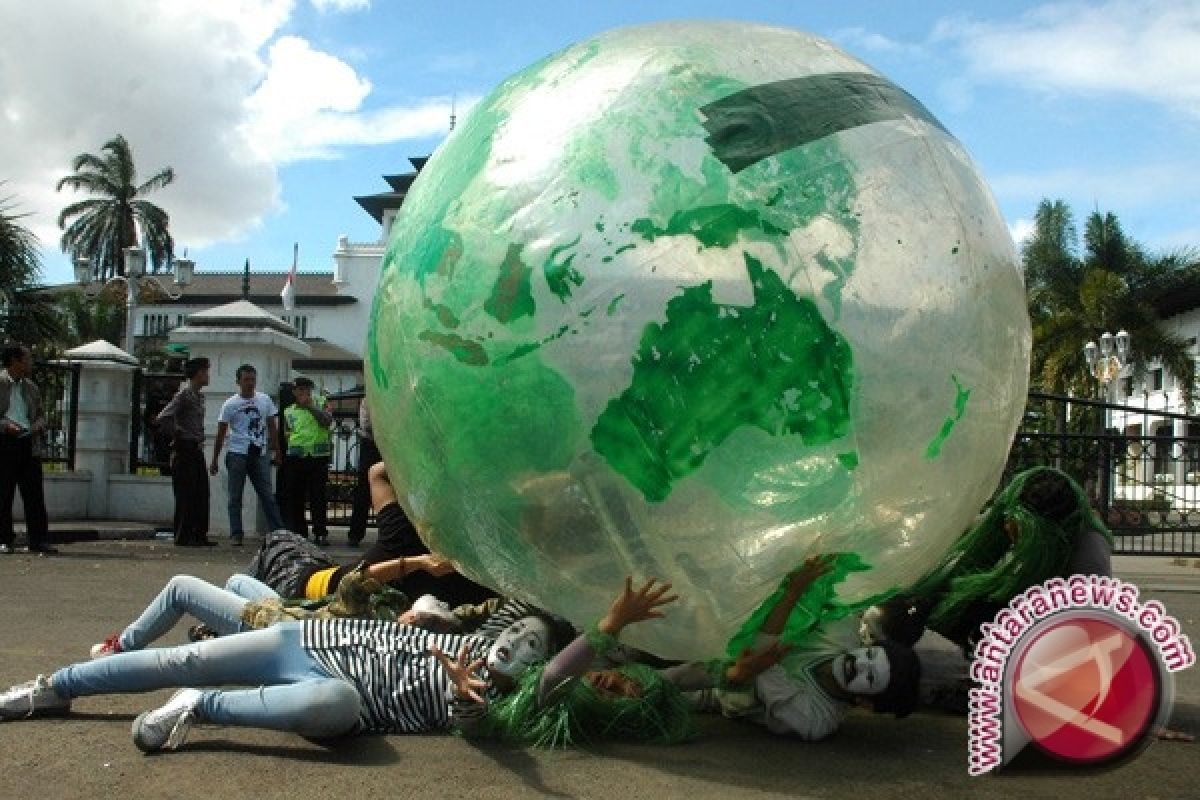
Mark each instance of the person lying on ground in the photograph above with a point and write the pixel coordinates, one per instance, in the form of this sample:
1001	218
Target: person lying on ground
296	568
318	678
568	701
248	604
822	675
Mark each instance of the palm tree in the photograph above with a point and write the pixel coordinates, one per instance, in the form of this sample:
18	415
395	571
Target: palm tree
103	225
27	314
1110	284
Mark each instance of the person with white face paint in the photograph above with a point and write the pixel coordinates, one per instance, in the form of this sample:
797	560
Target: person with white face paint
821	677
318	677
569	700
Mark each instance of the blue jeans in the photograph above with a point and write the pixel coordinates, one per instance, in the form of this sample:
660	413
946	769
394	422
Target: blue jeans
220	609
241	466
294	693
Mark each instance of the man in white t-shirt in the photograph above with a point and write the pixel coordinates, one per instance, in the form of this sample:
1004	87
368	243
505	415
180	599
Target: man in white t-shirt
248	420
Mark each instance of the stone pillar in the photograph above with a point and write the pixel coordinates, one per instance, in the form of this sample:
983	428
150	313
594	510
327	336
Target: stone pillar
229	336
103	422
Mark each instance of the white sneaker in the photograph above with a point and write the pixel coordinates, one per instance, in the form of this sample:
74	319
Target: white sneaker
36	698
166	727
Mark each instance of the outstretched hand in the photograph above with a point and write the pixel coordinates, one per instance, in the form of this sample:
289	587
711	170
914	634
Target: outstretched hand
751	663
636	606
463	674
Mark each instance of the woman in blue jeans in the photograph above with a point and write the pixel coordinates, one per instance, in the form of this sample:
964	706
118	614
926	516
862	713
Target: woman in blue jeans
318	678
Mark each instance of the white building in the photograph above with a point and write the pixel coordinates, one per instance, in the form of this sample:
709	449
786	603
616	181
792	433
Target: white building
332	308
1162	456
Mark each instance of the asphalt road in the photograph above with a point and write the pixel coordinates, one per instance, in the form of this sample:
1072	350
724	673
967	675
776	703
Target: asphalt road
57	607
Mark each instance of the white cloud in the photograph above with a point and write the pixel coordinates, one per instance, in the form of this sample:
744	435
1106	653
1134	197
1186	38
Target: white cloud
1147	49
209	87
861	39
1021	230
341	5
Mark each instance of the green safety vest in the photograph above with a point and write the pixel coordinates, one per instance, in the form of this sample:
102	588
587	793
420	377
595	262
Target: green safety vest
306	437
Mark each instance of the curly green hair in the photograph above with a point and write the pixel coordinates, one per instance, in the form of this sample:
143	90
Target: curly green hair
576	712
1051	512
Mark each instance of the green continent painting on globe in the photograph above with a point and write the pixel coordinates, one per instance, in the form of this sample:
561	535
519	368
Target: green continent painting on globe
711	368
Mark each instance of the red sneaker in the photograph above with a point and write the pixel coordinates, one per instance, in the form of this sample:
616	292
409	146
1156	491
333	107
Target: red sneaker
109	647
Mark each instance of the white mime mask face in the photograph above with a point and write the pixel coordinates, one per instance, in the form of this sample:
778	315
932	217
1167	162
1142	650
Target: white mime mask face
519	646
864	671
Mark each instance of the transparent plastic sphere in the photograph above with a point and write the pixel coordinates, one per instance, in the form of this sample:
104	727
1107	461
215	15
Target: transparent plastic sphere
696	301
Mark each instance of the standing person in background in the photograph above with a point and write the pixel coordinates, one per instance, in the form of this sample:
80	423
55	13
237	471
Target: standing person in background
183	419
248	418
306	463
368	456
21	422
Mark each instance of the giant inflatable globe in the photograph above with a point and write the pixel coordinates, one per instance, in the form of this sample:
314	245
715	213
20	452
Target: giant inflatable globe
696	301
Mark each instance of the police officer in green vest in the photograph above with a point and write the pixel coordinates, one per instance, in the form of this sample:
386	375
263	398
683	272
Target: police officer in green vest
306	461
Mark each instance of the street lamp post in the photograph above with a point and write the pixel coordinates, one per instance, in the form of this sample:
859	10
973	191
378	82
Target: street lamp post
134	278
1105	363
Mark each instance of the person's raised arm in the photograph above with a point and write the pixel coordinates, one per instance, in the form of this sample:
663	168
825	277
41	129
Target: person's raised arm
630	606
795	587
323	413
382	491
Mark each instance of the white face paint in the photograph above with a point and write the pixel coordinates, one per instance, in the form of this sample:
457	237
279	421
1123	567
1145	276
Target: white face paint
864	671
519	646
870	627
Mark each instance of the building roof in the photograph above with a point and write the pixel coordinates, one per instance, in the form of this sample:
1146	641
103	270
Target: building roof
239	313
100	350
217	287
376	204
327	356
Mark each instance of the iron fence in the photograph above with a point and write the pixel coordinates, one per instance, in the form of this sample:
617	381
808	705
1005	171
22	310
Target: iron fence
58	385
149	447
1140	467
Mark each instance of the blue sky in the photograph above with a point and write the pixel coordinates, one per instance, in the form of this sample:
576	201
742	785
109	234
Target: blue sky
275	113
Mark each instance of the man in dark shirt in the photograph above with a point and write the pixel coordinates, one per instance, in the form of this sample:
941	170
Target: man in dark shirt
183	418
21	423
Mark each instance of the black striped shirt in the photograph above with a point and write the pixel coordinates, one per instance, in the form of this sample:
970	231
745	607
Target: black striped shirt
403	687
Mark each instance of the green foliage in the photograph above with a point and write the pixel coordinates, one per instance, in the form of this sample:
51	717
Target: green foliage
27	315
88	319
1109	284
109	221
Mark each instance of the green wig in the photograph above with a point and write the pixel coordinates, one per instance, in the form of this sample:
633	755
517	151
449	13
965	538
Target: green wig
575	712
983	566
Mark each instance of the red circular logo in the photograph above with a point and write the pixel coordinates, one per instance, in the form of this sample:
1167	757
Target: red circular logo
1086	690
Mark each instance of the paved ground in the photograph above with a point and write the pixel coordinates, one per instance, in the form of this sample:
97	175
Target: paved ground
57	607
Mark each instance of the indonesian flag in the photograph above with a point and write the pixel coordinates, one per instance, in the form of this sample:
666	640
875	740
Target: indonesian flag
289	287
